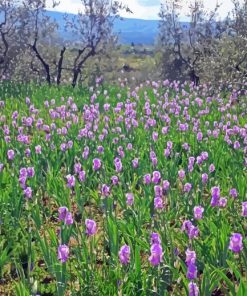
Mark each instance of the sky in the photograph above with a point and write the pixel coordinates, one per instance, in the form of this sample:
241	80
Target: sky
145	9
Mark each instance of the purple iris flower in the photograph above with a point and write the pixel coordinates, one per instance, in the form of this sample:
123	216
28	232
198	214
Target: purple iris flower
191	271
62	211
244	209
155	238
236	243
11	154
193	289
233	193
198	212
156	254
63	253
129	199
156	177
124	254
91	227
96	164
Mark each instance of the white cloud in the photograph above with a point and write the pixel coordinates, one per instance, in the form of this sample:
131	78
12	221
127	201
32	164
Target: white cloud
149	2
142	10
70	6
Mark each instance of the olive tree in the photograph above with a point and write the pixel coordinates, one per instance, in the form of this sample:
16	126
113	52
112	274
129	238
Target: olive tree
228	59
93	27
12	35
187	43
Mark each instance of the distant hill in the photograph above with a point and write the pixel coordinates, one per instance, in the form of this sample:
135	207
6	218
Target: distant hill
129	30
136	30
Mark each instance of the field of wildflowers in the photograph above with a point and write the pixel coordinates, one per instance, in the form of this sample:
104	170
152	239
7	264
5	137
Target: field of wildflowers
123	191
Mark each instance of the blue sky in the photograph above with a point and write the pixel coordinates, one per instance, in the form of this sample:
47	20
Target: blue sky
145	9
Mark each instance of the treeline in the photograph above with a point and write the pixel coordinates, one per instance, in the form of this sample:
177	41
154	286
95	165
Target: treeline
32	48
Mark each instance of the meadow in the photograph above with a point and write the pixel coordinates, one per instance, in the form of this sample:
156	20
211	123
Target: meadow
119	190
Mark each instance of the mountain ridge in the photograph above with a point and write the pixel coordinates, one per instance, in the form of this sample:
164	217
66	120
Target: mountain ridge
129	30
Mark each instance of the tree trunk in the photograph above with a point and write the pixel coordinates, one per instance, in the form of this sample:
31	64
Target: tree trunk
48	76
195	78
59	67
75	77
44	64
